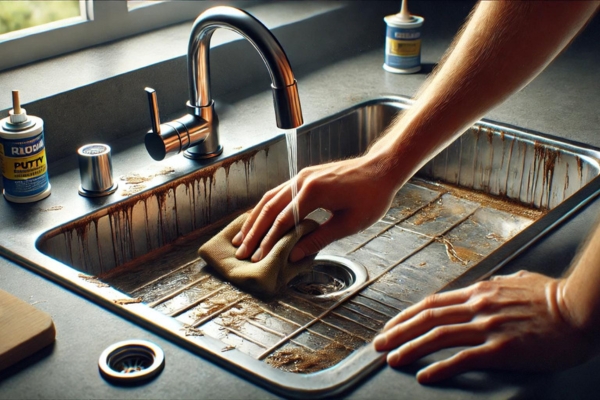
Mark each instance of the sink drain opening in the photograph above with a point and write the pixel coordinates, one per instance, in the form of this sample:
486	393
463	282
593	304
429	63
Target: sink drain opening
131	361
318	283
331	277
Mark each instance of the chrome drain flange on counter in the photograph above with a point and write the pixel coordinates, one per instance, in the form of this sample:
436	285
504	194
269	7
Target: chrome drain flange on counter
332	277
131	362
95	170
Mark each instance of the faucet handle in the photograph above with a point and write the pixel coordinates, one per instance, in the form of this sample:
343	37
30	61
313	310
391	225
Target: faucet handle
198	135
154	115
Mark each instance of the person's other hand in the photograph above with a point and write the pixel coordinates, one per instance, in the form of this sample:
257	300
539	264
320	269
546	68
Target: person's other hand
514	322
356	192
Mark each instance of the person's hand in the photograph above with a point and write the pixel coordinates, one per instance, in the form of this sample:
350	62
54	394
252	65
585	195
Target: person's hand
514	322
356	192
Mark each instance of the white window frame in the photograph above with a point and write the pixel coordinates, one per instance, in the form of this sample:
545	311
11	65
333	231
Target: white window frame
100	22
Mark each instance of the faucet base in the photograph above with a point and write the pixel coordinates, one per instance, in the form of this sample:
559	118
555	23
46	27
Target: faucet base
196	154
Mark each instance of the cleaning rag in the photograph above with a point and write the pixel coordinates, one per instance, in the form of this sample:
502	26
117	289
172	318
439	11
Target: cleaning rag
266	276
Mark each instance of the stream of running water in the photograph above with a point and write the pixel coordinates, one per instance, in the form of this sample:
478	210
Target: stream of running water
292	151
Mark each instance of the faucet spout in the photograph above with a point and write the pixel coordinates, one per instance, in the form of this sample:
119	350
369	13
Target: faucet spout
197	131
285	90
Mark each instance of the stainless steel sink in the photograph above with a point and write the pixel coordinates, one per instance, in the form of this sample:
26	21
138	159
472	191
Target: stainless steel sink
465	214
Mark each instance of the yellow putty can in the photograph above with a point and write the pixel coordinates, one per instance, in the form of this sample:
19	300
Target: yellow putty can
23	156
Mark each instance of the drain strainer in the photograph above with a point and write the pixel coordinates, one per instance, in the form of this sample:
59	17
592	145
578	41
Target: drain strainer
331	277
131	361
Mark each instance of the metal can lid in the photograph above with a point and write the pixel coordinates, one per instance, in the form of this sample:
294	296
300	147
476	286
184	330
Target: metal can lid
397	22
34	126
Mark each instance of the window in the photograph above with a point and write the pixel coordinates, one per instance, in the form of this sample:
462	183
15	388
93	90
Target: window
24	14
96	22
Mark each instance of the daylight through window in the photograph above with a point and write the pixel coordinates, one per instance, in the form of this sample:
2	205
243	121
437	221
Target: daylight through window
16	15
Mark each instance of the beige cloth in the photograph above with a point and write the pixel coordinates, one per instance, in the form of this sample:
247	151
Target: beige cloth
268	275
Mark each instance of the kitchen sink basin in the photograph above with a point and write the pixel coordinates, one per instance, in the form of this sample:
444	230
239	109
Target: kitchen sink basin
466	213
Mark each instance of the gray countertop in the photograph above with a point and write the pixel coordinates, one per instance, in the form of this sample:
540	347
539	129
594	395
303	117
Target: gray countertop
563	101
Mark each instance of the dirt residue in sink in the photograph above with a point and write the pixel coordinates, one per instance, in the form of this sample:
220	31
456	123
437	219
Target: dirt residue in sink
136	182
302	360
53	208
236	316
459	254
217	302
501	203
407	203
427	214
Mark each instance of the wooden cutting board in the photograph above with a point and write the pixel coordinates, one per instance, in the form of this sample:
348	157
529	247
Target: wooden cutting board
23	329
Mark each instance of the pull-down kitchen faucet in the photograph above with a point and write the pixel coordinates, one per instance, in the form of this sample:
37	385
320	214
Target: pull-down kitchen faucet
197	131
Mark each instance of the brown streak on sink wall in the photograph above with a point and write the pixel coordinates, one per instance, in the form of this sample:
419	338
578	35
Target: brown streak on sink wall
161	208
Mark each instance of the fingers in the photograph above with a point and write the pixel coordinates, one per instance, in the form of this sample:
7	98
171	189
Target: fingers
437	339
283	223
466	360
254	213
261	220
433	301
420	324
275	218
438	322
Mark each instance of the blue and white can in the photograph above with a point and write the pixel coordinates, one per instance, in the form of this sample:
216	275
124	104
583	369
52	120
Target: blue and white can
23	161
403	44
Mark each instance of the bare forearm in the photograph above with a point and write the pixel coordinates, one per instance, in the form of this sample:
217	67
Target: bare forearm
502	48
580	290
